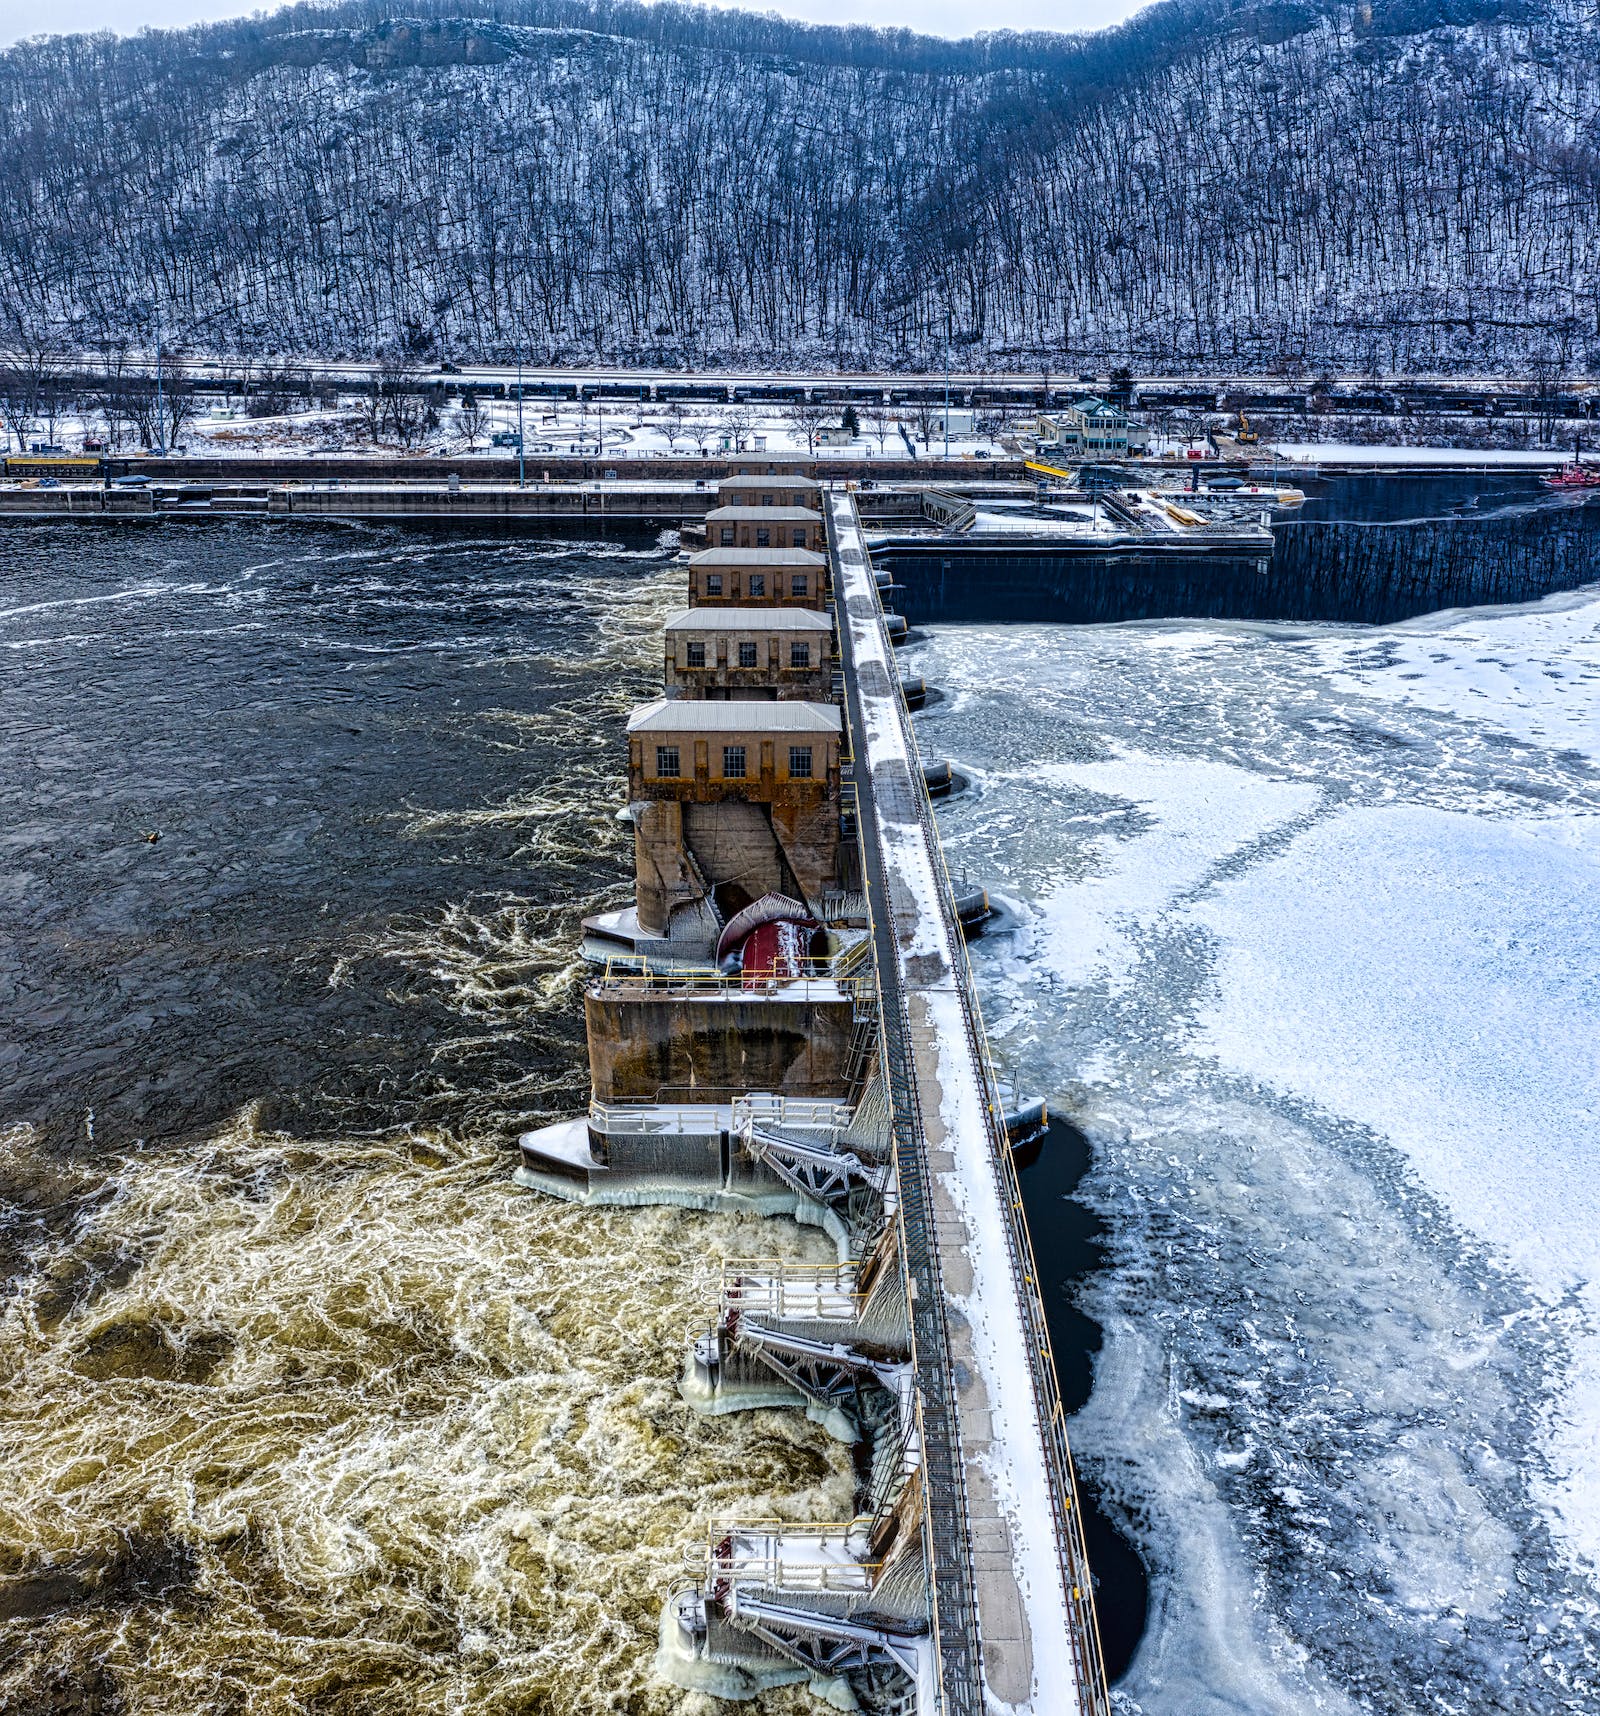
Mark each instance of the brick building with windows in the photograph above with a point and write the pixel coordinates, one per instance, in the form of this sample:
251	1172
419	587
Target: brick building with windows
733	800
765	527
770	491
750	654
758	578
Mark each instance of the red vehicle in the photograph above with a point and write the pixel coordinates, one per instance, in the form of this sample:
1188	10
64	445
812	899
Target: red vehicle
1574	476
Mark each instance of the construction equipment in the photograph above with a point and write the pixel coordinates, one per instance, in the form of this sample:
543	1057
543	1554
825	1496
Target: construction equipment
1247	437
1047	470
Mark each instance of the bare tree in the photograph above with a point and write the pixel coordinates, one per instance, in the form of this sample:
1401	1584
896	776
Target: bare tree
672	425
879	421
1544	376
393	403
113	394
27	378
1361	207
19	401
160	413
734	423
471	420
369	407
808	416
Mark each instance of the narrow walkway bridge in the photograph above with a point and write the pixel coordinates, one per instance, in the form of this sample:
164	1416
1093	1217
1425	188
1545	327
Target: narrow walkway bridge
1014	1620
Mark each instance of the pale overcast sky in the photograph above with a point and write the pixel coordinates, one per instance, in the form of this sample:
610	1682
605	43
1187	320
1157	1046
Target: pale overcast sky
20	18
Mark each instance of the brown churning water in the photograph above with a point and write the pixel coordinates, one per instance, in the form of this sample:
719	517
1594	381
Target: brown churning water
305	1407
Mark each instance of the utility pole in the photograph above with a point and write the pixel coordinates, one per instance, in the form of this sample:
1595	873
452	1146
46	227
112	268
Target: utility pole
947	396
161	428
522	461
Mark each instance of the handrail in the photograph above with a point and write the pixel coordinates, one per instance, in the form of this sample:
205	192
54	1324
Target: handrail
1064	1502
815	1112
725	1525
636	976
793	1290
952	1609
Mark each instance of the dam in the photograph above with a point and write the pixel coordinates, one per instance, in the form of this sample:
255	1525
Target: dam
784	1022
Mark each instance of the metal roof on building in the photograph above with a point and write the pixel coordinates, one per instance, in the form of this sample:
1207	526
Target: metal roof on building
758	557
749	620
764	515
772	482
680	715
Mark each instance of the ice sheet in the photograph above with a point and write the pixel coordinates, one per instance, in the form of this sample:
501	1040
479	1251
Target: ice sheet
1307	949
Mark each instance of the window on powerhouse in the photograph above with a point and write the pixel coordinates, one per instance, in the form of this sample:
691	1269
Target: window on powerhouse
800	756
763	537
758	583
798	585
667	761
727	536
799	536
748	655
713	583
697	655
799	655
733	762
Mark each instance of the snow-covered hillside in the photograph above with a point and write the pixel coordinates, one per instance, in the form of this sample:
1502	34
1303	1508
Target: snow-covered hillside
1412	184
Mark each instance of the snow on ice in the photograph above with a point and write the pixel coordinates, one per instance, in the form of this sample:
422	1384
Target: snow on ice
1308	949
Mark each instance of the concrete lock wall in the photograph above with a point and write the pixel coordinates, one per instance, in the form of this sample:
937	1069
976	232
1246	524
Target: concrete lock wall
647	1045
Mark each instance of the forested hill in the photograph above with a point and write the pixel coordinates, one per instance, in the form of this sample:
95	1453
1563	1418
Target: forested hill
1400	184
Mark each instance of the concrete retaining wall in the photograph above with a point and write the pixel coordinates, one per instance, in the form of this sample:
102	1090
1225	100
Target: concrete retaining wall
652	1046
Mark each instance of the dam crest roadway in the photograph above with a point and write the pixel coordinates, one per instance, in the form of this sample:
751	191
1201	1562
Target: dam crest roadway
785	1022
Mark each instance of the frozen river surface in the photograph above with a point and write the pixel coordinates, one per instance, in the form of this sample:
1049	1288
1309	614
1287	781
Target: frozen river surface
1306	944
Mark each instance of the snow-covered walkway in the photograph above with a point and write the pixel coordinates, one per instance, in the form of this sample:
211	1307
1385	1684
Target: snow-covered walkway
1013	1500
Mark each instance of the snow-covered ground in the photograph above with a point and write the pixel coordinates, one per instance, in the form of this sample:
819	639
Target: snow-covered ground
1353	453
1309	948
612	429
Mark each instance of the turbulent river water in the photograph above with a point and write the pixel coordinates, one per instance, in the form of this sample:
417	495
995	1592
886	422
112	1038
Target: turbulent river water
305	1408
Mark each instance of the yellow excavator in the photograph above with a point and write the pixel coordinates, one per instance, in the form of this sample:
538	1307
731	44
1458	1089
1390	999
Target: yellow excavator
1247	437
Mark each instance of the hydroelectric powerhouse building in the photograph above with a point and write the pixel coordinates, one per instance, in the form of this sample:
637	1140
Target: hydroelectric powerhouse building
784	1022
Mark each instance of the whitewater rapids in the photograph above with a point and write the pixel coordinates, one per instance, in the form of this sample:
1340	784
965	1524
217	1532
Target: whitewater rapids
305	1406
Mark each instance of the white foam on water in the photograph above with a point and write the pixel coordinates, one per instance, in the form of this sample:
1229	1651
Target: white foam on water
416	1431
352	1422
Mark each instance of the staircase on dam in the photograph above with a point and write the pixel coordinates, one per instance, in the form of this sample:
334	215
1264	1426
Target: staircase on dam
784	1022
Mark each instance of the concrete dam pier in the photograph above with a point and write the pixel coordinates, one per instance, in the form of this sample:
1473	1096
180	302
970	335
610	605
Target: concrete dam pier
784	1022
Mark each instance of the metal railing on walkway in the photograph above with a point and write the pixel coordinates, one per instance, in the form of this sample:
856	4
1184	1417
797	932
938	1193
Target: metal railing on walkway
954	1617
1077	1580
